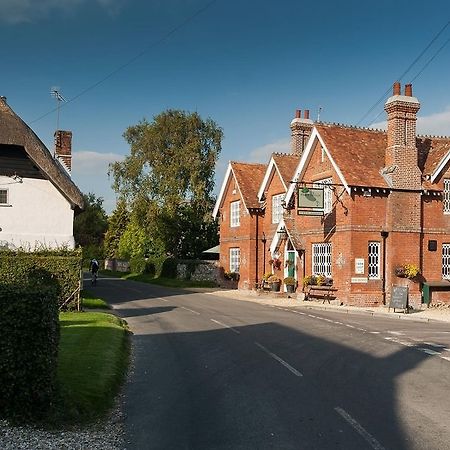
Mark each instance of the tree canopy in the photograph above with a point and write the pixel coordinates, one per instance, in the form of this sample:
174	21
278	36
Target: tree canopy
168	180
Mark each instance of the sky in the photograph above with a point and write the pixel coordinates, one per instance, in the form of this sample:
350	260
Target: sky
247	65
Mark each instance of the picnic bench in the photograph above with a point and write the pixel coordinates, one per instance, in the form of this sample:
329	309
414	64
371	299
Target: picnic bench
326	293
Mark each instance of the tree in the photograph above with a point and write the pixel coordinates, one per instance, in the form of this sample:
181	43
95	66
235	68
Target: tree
117	224
168	180
89	226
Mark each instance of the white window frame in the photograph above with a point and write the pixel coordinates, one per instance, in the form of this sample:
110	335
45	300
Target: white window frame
321	259
235	213
446	261
5	203
235	259
373	260
277	208
327	193
446	196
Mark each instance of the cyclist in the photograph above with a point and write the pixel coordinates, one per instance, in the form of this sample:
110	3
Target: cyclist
93	267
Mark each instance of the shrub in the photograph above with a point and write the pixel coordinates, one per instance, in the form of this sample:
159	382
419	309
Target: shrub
169	268
234	276
320	280
274	279
137	264
411	270
267	275
290	281
309	280
61	266
29	333
150	267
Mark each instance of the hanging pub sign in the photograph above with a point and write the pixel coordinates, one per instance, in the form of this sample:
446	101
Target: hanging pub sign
310	201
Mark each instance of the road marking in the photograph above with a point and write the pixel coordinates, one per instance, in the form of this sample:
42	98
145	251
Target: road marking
428	351
226	326
432	344
190	310
374	332
281	361
360	429
397	333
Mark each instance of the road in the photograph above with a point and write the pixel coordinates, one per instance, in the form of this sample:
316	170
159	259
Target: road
218	373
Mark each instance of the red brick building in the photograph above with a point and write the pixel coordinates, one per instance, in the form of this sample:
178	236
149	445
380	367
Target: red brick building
359	204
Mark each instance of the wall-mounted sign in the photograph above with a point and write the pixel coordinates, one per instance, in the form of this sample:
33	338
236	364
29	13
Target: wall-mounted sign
310	201
359	280
359	266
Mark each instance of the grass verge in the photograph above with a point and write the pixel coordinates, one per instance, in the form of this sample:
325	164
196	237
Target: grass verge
169	282
91	301
92	363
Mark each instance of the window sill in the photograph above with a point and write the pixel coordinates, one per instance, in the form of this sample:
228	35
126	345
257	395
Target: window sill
5	205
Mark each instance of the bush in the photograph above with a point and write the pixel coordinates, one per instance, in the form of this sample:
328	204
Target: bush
137	264
62	266
233	276
267	275
169	268
290	281
309	280
274	279
29	335
150	267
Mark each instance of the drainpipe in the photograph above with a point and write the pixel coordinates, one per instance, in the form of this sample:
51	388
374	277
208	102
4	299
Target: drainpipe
257	251
384	235
264	240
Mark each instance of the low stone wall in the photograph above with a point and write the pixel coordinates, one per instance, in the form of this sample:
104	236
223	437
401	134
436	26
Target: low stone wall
201	270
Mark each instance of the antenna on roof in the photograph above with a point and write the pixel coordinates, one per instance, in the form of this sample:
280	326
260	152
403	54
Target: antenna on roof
55	92
318	113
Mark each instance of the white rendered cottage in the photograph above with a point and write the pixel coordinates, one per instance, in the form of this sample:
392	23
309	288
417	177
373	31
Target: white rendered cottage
38	199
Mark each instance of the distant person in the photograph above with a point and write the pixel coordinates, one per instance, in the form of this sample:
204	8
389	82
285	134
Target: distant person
93	267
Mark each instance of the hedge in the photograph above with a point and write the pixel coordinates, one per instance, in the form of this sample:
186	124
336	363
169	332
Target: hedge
29	336
63	266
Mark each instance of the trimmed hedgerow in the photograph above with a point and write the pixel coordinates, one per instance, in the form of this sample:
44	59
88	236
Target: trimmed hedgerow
137	264
29	335
63	266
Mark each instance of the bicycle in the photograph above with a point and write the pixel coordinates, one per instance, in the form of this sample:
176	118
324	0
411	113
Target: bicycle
94	278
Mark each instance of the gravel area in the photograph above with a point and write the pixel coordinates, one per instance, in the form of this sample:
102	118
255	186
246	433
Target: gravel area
102	435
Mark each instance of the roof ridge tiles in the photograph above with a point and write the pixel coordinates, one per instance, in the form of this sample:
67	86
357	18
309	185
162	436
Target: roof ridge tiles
353	127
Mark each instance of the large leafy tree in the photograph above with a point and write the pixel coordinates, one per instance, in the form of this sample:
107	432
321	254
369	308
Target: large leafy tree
117	224
168	178
89	226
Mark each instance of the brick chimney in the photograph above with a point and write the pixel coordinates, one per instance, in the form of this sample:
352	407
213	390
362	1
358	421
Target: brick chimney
63	148
301	128
401	158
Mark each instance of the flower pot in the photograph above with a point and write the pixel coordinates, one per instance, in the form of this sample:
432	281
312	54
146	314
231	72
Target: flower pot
275	287
290	288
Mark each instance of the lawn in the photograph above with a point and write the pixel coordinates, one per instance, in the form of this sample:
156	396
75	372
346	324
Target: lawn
91	301
93	358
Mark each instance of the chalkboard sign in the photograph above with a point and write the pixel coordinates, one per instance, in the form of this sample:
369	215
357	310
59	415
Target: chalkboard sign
399	298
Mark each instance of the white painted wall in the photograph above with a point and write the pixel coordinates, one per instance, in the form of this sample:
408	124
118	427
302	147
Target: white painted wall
37	215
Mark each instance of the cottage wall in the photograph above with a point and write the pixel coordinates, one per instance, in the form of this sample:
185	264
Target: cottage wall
37	215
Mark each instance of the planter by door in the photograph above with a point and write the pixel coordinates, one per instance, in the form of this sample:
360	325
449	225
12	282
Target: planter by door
276	286
290	288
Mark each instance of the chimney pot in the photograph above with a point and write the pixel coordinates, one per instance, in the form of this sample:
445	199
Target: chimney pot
306	113
397	88
298	113
408	90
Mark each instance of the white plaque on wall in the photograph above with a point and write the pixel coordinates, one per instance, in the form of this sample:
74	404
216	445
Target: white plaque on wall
359	266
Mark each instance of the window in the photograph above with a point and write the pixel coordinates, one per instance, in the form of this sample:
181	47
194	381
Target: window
3	196
235	259
234	214
446	199
373	260
446	261
321	259
327	194
277	208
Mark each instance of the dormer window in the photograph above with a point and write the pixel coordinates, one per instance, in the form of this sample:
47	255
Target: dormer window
235	220
277	208
446	196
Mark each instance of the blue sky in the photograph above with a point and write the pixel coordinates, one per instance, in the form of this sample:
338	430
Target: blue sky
245	64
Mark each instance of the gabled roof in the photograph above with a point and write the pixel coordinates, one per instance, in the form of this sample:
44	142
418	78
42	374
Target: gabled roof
282	163
434	155
248	177
288	225
15	132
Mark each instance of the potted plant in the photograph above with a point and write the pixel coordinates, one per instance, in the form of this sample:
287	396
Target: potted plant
309	280
276	263
407	271
275	283
290	283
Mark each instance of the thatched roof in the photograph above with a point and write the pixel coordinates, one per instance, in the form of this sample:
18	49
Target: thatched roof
15	132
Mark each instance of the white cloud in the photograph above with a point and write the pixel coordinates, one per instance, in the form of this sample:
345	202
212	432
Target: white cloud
93	163
20	11
262	154
437	124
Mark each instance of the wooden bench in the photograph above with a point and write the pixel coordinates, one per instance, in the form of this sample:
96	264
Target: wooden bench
326	293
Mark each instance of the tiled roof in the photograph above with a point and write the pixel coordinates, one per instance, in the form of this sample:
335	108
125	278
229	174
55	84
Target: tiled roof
432	151
358	152
249	177
286	163
294	233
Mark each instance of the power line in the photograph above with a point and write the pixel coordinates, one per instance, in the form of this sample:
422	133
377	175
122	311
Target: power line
132	60
385	94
